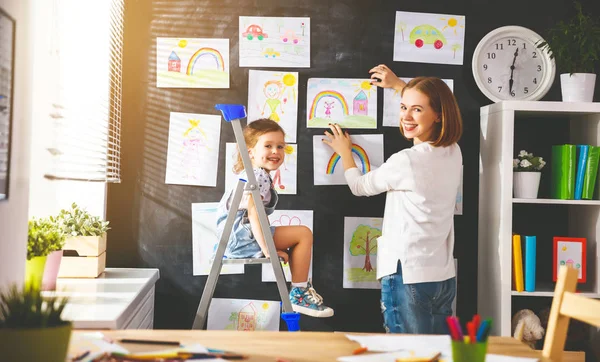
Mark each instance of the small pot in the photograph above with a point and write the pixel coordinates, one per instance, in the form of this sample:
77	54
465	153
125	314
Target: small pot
34	271
577	87
51	270
526	184
35	344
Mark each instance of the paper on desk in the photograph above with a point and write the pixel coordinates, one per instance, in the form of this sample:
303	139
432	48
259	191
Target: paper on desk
391	356
95	342
191	348
393	343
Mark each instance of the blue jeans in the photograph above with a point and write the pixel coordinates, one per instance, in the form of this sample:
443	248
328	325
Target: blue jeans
419	308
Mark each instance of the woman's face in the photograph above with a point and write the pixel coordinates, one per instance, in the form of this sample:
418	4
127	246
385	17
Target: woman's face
417	118
272	91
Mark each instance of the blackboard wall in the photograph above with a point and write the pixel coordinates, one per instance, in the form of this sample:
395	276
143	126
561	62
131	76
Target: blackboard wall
151	221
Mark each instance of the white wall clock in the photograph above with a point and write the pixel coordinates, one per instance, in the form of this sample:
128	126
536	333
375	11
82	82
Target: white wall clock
507	65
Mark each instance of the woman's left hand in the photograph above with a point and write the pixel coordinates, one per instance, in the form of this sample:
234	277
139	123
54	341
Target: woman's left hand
338	140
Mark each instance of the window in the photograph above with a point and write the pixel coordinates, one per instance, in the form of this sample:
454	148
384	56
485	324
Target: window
86	41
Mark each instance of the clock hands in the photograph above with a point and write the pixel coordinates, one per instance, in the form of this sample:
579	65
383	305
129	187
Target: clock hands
512	69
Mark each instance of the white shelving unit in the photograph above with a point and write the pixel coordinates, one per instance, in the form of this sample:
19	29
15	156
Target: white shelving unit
496	202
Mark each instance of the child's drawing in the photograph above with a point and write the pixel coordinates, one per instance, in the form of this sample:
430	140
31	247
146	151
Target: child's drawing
282	42
274	95
284	179
204	240
287	218
350	102
429	38
243	315
367	151
192	63
458	208
360	252
193	150
392	100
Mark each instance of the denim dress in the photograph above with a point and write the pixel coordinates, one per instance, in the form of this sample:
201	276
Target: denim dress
242	243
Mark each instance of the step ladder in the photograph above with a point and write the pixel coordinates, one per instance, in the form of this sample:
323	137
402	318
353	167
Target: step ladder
232	114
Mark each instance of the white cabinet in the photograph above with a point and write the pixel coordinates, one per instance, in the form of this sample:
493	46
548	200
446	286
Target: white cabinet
507	127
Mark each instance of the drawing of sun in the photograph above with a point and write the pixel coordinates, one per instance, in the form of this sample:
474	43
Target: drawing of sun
564	248
365	86
182	43
451	23
265	306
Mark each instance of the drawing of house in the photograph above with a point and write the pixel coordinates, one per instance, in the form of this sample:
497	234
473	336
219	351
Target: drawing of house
247	318
174	62
360	104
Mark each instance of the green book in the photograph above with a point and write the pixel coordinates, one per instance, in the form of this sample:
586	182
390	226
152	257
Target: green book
564	165
591	171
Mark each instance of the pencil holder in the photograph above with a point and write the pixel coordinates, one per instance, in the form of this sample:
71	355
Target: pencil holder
469	352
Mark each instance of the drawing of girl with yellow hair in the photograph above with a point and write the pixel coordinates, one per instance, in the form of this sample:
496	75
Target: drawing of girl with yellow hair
194	139
273	90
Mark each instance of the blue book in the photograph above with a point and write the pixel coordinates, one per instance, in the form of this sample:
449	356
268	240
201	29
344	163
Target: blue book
582	156
530	242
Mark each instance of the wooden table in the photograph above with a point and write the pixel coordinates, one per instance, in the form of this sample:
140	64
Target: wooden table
294	346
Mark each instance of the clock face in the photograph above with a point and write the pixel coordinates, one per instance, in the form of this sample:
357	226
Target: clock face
507	65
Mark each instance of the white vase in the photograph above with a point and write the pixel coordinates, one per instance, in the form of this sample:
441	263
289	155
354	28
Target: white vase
526	184
577	87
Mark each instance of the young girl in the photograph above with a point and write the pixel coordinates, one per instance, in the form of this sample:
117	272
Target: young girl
415	260
266	146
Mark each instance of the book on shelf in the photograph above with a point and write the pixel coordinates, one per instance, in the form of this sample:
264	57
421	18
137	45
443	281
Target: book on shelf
582	156
517	263
591	171
530	255
563	171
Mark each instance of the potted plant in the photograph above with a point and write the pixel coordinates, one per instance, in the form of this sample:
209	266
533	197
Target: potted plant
86	236
575	46
31	327
526	175
44	237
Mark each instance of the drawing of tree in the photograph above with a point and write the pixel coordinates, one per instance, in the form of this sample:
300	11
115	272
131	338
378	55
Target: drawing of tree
364	242
456	47
401	27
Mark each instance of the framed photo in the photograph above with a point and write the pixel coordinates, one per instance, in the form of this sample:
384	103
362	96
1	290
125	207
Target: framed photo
7	63
569	251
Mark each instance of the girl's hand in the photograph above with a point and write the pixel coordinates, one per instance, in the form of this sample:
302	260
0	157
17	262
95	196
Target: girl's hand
338	140
282	254
387	78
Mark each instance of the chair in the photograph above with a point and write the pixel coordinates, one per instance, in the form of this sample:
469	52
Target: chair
567	304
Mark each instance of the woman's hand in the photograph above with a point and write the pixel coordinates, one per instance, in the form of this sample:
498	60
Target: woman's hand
338	140
282	254
387	78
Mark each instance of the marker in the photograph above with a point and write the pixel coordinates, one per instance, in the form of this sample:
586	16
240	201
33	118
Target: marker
147	341
360	350
81	356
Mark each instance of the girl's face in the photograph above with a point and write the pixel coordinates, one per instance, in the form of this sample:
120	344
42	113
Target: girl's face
417	118
268	152
272	91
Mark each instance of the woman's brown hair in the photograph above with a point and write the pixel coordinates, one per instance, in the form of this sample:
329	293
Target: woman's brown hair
252	132
442	101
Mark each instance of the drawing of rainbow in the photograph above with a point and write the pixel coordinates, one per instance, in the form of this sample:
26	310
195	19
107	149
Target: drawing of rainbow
205	51
325	94
357	150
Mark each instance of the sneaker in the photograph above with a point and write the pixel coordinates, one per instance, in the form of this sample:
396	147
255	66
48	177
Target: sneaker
308	301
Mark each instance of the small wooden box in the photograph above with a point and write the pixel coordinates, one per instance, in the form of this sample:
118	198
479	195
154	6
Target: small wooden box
86	245
90	260
82	266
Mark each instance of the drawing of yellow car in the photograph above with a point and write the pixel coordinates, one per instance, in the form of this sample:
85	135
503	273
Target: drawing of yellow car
270	52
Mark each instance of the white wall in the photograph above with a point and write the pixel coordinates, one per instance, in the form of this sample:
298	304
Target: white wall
14	211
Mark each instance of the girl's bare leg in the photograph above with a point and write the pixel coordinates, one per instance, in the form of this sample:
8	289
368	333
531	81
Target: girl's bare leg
300	240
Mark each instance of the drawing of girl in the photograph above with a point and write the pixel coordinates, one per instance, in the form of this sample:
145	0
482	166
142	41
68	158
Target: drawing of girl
194	139
273	90
289	151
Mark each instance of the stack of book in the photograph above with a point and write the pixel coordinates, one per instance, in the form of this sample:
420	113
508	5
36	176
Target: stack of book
574	170
524	267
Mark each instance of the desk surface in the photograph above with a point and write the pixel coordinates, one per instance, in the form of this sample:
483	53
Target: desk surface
105	302
296	346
